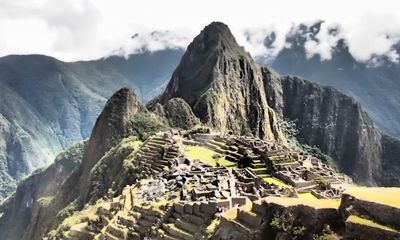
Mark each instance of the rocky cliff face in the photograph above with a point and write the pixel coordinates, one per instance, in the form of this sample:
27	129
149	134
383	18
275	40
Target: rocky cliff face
333	122
390	166
374	84
223	85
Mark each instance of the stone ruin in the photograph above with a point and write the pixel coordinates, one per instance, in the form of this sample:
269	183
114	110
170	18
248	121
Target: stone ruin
176	197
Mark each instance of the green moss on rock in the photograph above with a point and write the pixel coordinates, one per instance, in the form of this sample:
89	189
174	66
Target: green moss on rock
180	114
145	124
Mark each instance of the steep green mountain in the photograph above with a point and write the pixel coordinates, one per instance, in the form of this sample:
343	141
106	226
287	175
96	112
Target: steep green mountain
99	160
46	105
223	85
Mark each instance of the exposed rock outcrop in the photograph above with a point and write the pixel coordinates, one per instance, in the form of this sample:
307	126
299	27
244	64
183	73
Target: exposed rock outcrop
390	166
223	85
335	123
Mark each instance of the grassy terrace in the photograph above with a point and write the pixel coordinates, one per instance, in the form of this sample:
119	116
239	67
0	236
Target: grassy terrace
217	143
280	183
307	196
387	196
206	155
367	222
280	158
314	203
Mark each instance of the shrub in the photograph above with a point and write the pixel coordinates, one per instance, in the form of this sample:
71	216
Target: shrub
327	234
286	223
145	124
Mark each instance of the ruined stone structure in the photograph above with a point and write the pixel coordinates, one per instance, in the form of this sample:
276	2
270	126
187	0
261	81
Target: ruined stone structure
249	184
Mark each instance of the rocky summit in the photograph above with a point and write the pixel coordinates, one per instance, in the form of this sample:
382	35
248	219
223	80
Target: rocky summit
223	85
215	157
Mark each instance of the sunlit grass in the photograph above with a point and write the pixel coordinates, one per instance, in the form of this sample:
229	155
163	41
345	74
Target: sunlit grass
367	222
137	144
206	156
272	180
387	196
315	203
230	214
213	225
307	196
217	143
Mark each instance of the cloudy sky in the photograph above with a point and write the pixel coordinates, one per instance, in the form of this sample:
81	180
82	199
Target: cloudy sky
89	29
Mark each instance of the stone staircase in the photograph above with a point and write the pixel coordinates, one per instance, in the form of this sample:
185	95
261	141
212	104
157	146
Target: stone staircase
187	221
260	169
157	153
127	219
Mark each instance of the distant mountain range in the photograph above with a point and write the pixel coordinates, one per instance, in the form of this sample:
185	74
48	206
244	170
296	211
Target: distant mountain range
47	105
376	86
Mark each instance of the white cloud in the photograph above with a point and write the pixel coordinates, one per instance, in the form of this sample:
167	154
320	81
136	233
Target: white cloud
88	29
373	34
324	43
153	41
253	39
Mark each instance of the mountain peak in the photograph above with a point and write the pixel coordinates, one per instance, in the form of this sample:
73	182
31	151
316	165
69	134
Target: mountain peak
110	127
223	85
220	26
218	31
215	37
112	122
205	55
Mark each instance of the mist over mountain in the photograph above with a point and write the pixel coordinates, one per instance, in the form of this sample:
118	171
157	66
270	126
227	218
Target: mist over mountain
375	83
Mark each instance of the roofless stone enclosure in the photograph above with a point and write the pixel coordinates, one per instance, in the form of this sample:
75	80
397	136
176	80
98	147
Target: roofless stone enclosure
206	185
